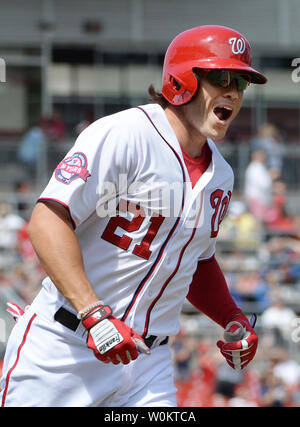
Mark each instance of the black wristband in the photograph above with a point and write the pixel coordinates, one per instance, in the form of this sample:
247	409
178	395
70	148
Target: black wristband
96	315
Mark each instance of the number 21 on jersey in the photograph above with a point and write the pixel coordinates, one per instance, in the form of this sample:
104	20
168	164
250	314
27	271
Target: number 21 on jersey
218	202
143	249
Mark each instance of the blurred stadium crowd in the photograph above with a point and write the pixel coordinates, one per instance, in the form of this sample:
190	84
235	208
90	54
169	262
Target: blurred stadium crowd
258	249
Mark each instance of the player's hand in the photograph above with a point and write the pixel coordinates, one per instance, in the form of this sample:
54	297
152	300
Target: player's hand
110	338
239	353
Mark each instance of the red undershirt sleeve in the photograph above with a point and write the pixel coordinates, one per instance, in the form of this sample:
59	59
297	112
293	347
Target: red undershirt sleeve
209	293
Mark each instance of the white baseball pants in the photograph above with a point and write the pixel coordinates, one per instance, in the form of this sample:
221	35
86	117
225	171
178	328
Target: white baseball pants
48	365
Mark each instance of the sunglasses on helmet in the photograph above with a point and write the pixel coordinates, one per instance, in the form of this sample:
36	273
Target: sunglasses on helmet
224	78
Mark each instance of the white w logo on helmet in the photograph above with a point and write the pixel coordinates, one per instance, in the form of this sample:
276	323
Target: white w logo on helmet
238	46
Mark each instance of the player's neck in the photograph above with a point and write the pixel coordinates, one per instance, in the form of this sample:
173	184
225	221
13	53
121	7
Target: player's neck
189	139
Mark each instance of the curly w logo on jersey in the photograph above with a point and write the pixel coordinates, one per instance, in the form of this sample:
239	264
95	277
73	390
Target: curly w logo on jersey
72	168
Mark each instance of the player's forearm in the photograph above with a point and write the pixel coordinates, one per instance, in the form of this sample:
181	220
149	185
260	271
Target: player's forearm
209	293
59	252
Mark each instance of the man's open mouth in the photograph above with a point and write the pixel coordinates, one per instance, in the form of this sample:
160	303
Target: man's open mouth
223	113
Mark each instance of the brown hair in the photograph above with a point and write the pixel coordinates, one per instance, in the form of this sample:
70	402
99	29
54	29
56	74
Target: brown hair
157	97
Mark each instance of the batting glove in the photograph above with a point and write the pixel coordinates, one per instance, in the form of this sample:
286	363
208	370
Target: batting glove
242	348
110	338
13	309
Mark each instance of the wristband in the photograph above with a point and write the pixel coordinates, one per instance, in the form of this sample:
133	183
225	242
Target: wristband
88	308
96	315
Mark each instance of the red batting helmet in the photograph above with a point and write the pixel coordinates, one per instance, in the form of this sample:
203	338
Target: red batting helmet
208	47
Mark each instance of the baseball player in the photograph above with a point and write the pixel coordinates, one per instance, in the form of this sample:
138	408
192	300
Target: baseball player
126	230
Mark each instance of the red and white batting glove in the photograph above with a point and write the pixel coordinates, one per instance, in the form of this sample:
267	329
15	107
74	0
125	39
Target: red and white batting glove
14	310
110	338
242	348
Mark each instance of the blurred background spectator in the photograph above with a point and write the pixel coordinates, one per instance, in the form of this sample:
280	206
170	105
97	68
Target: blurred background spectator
277	319
278	219
273	392
22	196
241	398
54	127
268	139
226	381
32	144
183	347
240	227
258	186
10	224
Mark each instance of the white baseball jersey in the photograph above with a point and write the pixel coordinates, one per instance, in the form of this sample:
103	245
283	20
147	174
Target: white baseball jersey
142	228
140	225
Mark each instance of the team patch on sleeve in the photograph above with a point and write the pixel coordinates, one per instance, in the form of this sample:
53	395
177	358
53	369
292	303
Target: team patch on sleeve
72	168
